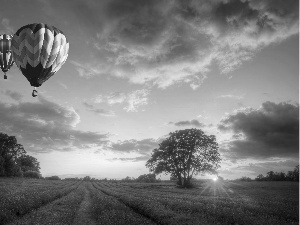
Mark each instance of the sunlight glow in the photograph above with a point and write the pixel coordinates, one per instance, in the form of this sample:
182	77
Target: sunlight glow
215	179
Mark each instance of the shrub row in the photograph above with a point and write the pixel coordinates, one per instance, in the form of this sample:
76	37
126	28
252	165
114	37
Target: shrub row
19	203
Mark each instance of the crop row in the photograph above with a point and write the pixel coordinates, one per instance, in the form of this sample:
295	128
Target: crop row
150	207
11	186
108	210
220	205
61	211
22	201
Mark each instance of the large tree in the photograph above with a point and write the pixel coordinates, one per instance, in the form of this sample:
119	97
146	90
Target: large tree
10	151
185	153
28	163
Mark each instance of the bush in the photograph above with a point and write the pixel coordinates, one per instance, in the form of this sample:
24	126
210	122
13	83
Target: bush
19	173
220	178
245	179
87	178
148	178
31	174
52	178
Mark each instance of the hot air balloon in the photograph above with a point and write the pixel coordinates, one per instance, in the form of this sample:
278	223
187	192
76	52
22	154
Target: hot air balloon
39	51
6	59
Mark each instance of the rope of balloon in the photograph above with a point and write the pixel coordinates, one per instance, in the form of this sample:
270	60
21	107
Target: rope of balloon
39	51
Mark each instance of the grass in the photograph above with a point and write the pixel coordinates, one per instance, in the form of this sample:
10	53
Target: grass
213	202
59	212
61	202
29	194
108	210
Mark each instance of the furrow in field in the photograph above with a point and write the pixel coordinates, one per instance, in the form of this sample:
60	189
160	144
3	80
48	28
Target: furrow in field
154	210
109	210
219	205
84	213
18	204
59	212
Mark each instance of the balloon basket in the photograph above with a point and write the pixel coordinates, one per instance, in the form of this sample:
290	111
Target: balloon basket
5	77
34	93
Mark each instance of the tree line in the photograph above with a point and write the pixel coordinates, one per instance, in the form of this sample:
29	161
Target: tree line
280	176
147	178
14	161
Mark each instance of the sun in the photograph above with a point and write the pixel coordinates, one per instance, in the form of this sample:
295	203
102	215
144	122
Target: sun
215	179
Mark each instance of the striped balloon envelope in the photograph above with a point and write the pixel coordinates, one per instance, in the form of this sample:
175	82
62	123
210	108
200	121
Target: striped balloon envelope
6	59
39	51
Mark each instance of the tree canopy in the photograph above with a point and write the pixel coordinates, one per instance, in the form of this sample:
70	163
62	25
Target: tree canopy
185	153
280	176
27	162
13	158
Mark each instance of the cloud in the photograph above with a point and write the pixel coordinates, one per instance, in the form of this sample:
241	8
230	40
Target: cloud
8	29
142	147
238	97
112	98
45	126
194	123
165	43
254	169
86	70
13	94
134	100
102	112
270	131
63	85
133	159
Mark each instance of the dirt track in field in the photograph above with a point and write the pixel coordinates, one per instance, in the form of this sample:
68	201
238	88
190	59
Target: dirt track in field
83	215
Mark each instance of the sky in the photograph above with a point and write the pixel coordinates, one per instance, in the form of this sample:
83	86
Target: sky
138	70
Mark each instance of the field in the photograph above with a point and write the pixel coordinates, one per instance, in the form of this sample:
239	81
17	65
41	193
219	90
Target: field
30	201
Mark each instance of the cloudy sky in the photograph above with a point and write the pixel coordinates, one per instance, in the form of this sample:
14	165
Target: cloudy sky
139	69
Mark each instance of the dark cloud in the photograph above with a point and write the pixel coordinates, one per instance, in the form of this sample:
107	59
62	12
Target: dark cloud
194	123
13	94
270	131
254	169
141	146
169	42
134	159
102	112
88	105
44	126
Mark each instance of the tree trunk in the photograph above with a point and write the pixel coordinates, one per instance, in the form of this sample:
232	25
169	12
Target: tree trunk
179	182
187	182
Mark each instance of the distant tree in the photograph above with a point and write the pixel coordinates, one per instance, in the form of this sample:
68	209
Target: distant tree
10	151
279	176
128	179
276	176
296	174
245	179
19	172
27	162
148	178
53	178
31	174
87	178
185	153
270	175
290	176
220	178
172	178
260	177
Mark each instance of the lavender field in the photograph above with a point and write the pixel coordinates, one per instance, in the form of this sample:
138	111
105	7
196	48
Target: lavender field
32	201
